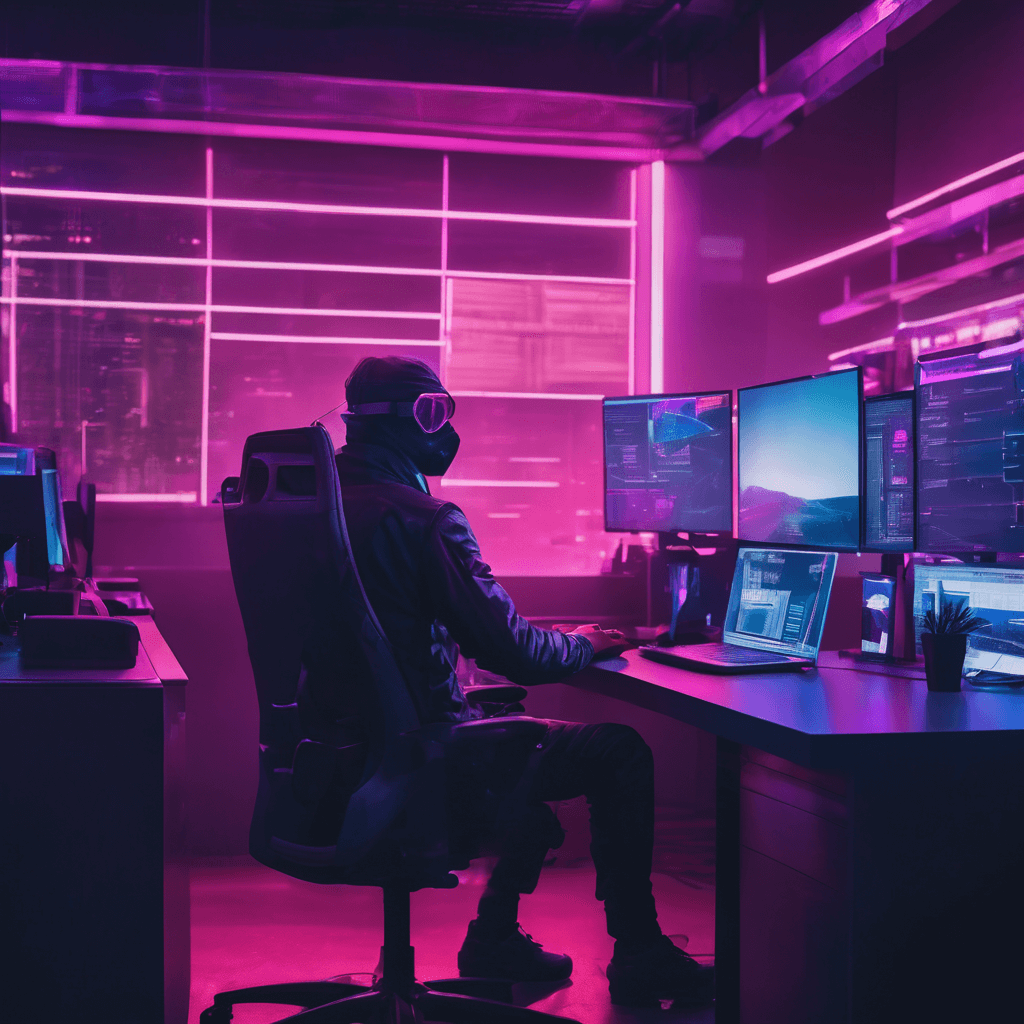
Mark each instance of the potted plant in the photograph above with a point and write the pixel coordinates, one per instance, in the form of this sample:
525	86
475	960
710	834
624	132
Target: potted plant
944	641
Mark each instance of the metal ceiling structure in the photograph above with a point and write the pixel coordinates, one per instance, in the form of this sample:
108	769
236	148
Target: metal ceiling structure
319	108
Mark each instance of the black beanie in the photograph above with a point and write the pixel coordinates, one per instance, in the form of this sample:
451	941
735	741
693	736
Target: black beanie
390	379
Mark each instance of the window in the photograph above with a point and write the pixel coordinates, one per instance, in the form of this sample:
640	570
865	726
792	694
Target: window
164	297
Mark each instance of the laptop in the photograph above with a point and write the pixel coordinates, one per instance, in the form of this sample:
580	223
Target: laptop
775	618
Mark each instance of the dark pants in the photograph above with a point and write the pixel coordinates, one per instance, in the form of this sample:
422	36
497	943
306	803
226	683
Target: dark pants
612	767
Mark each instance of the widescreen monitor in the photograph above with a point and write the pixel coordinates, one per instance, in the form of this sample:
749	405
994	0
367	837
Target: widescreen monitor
995	593
799	446
668	463
889	472
970	451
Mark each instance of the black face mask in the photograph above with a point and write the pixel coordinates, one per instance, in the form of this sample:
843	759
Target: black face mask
431	454
434	453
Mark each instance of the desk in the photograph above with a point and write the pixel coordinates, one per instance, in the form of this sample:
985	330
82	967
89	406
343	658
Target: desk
870	841
93	870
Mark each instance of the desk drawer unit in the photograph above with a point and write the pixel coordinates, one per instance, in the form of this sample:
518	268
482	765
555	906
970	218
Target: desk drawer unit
93	882
793	886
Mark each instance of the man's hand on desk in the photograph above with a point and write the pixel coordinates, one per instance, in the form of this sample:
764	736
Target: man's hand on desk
606	642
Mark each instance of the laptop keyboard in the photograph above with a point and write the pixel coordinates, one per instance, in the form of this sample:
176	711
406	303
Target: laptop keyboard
732	655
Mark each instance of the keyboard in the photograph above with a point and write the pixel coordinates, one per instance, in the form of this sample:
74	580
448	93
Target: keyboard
730	654
723	659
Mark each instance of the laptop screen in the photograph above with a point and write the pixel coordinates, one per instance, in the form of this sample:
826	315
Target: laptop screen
779	599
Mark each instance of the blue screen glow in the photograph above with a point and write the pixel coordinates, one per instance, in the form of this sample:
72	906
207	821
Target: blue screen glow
799	462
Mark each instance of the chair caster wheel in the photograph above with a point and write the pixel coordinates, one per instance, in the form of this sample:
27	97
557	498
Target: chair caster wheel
216	1015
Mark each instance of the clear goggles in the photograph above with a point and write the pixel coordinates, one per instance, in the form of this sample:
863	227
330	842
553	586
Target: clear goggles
431	412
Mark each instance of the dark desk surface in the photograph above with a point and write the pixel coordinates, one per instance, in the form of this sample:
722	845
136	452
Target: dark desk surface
826	718
155	665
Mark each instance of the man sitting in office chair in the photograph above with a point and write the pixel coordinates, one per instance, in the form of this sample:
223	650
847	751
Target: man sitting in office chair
424	576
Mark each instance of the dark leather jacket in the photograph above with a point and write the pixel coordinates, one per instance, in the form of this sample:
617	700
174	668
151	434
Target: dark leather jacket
432	591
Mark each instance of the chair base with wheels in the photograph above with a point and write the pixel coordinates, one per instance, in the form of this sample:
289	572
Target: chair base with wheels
396	997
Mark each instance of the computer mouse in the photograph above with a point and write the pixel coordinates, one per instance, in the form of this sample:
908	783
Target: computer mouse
614	651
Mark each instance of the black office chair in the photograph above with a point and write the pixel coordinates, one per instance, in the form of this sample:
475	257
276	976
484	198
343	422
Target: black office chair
357	794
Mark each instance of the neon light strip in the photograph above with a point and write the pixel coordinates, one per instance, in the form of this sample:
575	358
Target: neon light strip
304	311
831	257
444	327
197	307
871	346
527	394
332	208
204	430
303	339
631	371
358	137
199	261
1002	350
985	307
953	186
344	268
189	497
189	307
657	276
12	348
446	482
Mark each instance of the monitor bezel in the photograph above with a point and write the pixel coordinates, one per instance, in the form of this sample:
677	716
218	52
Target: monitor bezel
912	394
730	530
806	545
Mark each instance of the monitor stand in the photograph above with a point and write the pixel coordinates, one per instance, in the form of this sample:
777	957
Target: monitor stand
688	585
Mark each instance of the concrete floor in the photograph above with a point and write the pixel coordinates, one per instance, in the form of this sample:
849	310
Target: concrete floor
251	925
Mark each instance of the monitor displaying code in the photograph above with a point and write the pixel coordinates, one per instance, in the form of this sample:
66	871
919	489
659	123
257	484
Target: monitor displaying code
668	463
970	452
799	462
889	473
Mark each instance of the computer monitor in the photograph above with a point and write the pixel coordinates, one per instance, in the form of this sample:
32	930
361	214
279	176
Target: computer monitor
889	491
31	510
995	593
970	451
668	463
799	446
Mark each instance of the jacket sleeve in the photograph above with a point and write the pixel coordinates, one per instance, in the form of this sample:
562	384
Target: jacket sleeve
480	616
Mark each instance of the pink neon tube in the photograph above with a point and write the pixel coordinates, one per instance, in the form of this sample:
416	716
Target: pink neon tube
967	179
343	268
831	257
201	307
333	208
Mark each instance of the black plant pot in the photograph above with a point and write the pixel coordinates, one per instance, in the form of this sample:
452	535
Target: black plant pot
944	655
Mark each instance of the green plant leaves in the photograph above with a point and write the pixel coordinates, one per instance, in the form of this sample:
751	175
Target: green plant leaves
955	617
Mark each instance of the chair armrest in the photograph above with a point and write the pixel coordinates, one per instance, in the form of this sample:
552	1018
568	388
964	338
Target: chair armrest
495	693
495	730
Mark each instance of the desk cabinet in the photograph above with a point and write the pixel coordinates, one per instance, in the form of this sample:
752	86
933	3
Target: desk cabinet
870	842
93	876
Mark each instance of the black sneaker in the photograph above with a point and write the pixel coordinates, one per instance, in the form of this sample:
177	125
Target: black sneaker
517	958
662	971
